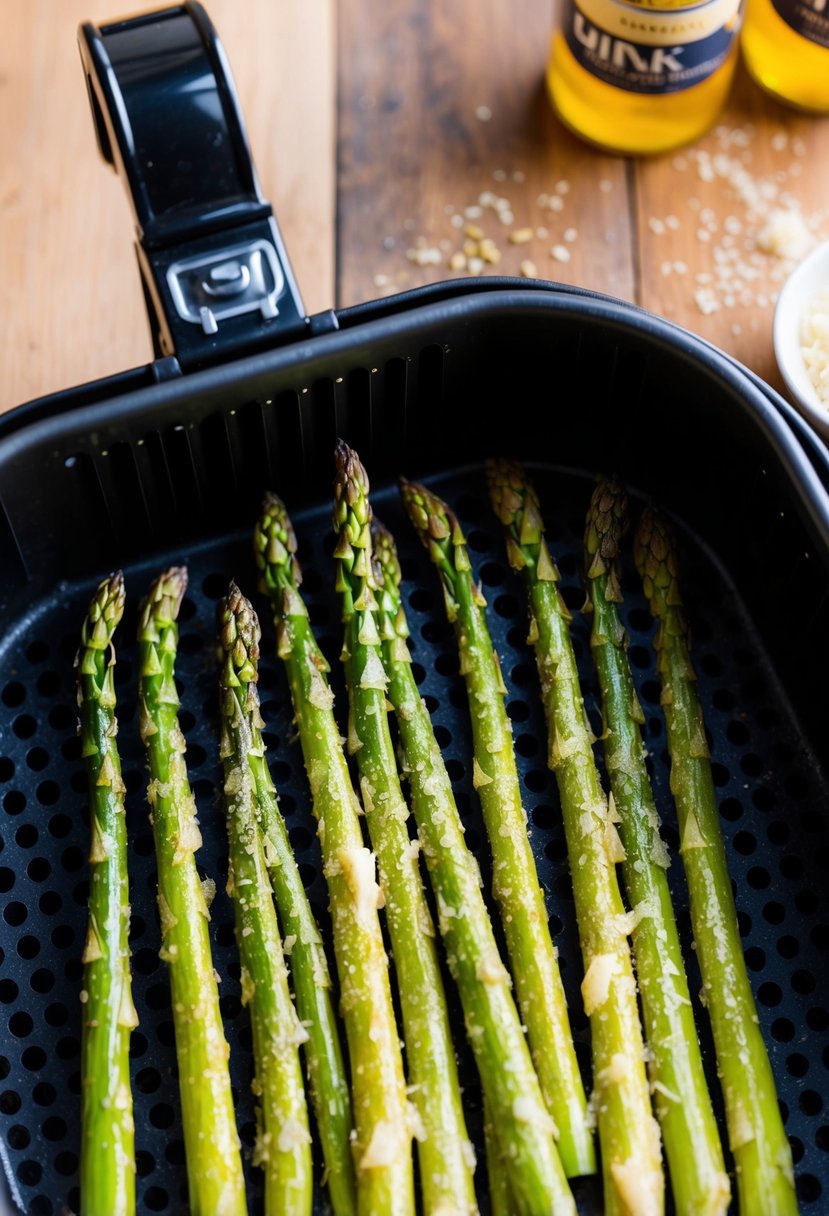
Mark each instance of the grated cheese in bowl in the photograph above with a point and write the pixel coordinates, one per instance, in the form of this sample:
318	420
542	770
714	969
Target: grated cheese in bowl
801	337
814	342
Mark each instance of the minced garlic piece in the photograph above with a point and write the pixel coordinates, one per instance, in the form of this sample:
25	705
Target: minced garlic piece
595	987
382	1147
640	1190
357	865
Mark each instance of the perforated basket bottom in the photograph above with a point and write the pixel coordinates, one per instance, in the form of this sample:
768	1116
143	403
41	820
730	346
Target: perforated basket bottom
772	800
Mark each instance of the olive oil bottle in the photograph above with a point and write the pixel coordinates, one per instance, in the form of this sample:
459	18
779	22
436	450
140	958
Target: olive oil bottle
786	49
634	76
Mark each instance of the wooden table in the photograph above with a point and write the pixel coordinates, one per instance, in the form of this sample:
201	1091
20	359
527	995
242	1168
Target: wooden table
381	133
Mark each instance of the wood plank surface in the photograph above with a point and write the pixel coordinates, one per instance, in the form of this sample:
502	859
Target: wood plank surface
71	308
442	115
680	234
443	136
758	180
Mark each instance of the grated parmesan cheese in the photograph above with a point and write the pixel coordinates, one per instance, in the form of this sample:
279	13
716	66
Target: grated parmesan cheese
814	343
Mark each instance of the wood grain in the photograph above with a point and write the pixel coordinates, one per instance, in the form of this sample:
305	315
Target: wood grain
71	308
416	150
438	105
761	159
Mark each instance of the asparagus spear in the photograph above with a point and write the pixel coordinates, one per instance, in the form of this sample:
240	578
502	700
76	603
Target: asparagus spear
541	998
214	1165
765	1180
444	1151
628	1132
499	1187
698	1179
309	967
525	1161
284	1143
107	1173
382	1145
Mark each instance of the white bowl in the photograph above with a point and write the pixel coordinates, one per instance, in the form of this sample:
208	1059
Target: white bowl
801	286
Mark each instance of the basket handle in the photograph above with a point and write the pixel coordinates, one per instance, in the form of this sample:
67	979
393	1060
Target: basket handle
216	278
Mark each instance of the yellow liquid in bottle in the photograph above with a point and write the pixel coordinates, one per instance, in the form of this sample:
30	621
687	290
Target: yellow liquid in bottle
627	120
787	64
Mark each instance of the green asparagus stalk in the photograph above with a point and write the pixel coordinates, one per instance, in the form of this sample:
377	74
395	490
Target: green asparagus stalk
628	1132
107	1173
214	1165
541	998
526	1161
765	1181
698	1179
444	1152
382	1144
284	1143
309	967
500	1197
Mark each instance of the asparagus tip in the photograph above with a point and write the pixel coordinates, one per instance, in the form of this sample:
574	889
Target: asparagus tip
507	486
433	518
351	487
163	599
274	546
240	634
654	551
385	561
105	611
607	522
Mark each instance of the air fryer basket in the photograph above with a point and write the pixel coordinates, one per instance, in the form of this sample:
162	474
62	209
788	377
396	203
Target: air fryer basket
175	473
154	466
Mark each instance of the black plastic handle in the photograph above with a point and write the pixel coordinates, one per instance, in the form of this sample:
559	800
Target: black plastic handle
216	278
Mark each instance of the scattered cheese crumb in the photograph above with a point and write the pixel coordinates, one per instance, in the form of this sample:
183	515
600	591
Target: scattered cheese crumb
528	269
561	253
483	113
786	235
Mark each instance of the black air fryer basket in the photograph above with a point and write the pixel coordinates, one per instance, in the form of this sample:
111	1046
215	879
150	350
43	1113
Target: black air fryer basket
167	463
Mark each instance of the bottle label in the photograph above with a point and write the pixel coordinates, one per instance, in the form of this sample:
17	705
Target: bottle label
807	17
645	50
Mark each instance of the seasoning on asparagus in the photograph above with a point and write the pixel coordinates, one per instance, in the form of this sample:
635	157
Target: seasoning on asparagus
689	1130
382	1145
541	998
525	1161
309	967
444	1153
628	1132
765	1179
500	1198
214	1165
283	1146
107	1170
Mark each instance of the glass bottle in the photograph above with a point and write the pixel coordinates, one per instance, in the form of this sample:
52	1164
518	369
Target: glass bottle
786	49
638	77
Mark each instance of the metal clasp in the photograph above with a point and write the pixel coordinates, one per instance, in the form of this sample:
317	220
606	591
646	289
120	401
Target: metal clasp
209	288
